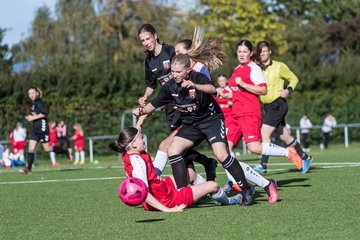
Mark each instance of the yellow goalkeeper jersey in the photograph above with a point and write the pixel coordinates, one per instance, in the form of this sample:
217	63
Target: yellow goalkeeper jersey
275	75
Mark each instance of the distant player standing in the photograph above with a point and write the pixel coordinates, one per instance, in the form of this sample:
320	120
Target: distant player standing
40	129
79	144
276	107
18	140
305	126
53	142
224	98
163	194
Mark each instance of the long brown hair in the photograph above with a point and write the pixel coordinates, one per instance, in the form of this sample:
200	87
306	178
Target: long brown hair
147	27
37	90
259	47
126	136
209	52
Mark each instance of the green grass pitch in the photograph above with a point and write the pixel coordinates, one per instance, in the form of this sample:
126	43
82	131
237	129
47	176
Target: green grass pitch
69	202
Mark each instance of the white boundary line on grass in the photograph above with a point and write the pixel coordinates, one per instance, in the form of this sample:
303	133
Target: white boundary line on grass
62	180
321	165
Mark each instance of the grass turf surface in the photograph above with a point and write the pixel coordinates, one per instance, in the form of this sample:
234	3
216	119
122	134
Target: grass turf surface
81	203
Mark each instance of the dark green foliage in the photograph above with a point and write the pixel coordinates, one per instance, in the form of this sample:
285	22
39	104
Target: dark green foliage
5	60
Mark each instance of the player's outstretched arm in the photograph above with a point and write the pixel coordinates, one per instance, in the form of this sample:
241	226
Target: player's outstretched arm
143	100
141	121
148	109
151	200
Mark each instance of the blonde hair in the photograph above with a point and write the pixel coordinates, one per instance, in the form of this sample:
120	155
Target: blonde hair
182	59
209	52
78	127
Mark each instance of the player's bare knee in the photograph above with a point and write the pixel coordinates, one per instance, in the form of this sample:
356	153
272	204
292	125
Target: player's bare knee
192	175
255	148
221	156
287	138
47	148
163	146
171	151
213	186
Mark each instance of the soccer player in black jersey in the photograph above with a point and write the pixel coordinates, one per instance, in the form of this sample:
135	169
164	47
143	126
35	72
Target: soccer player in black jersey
202	118
157	69
40	130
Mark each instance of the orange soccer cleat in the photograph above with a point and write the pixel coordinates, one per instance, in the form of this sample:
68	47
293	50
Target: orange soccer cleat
294	157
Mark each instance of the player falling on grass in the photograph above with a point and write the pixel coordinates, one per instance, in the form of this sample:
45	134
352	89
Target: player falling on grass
202	119
157	69
163	194
276	107
40	130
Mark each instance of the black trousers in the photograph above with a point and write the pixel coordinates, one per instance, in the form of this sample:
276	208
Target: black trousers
326	139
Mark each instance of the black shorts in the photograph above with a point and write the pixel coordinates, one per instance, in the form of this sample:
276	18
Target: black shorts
212	130
275	113
173	119
41	137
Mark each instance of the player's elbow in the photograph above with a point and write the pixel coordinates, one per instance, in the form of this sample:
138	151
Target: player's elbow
263	91
212	90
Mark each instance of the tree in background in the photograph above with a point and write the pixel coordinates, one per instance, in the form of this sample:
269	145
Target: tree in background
90	64
5	59
230	21
88	60
324	54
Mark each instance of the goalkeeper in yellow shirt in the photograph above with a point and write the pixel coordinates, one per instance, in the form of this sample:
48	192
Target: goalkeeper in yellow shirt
276	107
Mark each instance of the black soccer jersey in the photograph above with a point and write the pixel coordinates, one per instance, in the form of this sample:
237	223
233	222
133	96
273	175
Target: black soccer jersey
193	105
157	68
39	125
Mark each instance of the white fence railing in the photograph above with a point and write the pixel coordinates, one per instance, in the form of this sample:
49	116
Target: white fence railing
346	127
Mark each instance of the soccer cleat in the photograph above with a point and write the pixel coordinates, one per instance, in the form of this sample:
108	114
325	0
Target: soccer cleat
76	162
247	196
237	199
271	191
69	155
25	171
82	162
229	186
294	157
306	164
260	169
55	164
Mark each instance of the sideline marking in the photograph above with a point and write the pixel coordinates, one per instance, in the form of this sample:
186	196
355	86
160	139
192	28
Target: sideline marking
321	165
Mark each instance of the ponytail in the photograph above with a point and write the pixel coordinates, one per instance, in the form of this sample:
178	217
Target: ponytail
115	146
126	137
208	52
